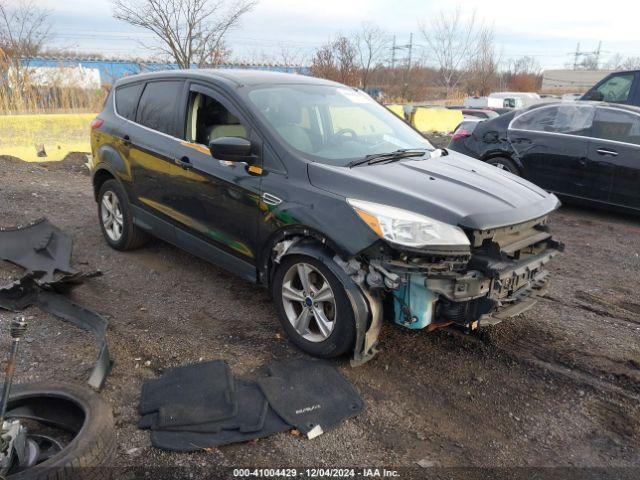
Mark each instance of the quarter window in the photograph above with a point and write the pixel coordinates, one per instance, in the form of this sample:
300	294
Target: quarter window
158	107
617	125
127	100
566	119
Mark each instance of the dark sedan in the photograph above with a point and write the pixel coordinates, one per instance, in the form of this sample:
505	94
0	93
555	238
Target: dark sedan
587	152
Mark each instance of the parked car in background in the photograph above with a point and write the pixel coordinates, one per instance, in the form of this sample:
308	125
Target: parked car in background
584	151
317	192
618	87
466	128
479	113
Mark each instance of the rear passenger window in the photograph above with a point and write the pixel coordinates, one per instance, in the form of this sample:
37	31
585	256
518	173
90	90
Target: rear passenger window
617	125
158	107
567	119
127	100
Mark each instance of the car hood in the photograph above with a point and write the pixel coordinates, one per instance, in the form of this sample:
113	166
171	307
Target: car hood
453	188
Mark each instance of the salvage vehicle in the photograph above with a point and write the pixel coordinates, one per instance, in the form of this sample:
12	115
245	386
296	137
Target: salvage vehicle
314	190
617	87
586	152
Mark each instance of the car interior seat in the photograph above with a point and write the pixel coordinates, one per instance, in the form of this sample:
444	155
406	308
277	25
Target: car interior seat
286	121
229	126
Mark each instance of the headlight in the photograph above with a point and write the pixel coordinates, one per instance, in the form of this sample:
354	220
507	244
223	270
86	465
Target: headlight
410	229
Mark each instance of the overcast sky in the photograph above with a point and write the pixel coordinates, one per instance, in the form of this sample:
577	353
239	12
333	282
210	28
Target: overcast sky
546	29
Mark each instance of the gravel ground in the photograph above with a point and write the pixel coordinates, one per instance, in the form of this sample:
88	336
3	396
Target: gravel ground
556	386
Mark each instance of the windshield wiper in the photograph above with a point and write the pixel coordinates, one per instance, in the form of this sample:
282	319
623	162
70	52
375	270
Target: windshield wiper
389	157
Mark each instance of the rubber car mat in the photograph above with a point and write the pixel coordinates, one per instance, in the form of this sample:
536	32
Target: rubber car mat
194	441
252	411
37	247
309	394
191	395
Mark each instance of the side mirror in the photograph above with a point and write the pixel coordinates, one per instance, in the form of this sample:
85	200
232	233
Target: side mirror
231	149
596	96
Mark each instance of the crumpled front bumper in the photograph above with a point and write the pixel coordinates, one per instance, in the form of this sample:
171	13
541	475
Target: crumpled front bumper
505	287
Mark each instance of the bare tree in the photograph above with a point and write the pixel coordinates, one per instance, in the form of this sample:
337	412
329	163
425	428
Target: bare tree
618	62
525	65
483	66
290	56
631	63
336	61
24	29
371	43
191	32
450	42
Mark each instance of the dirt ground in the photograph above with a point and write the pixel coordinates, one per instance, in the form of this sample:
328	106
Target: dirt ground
558	386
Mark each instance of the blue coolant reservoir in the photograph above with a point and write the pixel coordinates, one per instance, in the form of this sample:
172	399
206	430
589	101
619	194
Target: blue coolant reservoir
416	310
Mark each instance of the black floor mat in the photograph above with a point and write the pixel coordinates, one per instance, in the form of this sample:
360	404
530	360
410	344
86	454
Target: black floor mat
309	394
191	395
193	441
252	411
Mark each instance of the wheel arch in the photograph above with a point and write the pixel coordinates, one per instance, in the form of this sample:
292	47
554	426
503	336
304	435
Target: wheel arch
359	301
502	154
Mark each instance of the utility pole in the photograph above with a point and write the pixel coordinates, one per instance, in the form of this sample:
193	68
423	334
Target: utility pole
575	58
597	54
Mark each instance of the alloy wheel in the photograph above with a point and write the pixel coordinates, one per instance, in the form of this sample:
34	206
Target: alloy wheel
111	215
309	302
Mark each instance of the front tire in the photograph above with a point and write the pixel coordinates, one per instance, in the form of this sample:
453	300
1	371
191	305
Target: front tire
313	307
116	218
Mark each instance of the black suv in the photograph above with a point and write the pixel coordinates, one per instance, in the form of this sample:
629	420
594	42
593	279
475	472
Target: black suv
316	191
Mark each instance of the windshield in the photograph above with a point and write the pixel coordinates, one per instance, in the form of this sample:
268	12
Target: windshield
333	125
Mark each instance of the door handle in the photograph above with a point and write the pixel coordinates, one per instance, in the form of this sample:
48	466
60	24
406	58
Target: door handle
582	162
183	163
604	151
126	141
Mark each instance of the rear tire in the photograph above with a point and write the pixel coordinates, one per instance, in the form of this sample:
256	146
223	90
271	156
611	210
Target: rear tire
116	218
319	340
505	164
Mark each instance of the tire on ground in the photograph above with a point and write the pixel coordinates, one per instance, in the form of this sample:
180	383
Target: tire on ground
93	445
132	236
342	338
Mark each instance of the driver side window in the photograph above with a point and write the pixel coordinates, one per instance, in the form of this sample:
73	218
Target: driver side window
209	119
615	90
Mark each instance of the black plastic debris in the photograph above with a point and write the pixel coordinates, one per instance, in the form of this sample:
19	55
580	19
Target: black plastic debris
44	251
310	395
189	395
62	307
37	247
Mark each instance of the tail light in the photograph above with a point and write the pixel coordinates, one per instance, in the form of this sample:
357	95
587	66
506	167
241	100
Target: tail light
461	133
96	123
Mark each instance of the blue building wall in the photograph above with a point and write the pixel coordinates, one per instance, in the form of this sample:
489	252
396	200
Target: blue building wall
111	70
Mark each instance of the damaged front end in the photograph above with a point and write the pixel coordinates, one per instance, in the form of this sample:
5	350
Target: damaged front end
500	277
